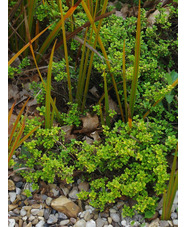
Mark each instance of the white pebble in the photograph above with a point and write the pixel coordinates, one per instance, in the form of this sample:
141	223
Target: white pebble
40	224
11	222
124	223
18	191
91	223
174	215
23	212
115	217
12	196
175	221
80	223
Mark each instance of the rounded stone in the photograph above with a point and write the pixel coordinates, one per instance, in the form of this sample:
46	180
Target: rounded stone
115	217
52	219
64	222
11	185
19	184
175	222
18	191
62	215
112	210
87	216
48	201
124	223
73	220
109	220
35	211
46	213
23	212
11	222
41	223
174	215
80	223
91	223
73	193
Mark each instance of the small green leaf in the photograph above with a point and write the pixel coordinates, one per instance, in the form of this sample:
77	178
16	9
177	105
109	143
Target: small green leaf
149	214
169	98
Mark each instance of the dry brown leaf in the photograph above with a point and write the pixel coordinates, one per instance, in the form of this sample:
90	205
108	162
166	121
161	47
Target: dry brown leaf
68	136
125	10
94	91
88	140
12	120
95	136
13	92
90	124
152	17
113	105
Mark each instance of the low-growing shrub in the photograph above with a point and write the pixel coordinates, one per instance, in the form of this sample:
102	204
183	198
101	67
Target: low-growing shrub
132	162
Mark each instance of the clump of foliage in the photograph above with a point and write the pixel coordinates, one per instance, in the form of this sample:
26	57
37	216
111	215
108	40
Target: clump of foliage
12	71
132	161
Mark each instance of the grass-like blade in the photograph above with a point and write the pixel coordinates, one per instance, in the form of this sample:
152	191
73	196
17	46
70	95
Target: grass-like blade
26	46
168	197
16	122
136	65
66	51
48	91
105	55
55	31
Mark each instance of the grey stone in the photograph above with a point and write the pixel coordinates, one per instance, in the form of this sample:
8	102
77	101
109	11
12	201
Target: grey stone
46	213
11	222
35	221
91	223
73	193
48	201
100	222
31	218
18	191
24	218
35	211
175	222
62	215
65	190
55	192
23	212
19	184
80	223
154	223
87	215
112	210
52	219
163	223
115	217
124	223
73	220
40	224
12	196
174	215
44	197
90	208
120	204
83	186
64	222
